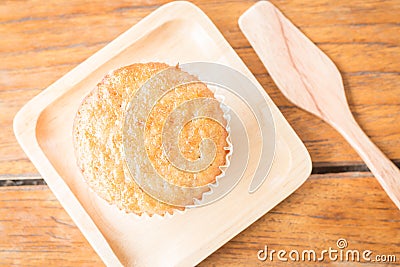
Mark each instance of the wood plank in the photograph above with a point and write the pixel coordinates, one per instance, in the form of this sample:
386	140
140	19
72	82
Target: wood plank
37	231
360	36
325	209
179	244
316	84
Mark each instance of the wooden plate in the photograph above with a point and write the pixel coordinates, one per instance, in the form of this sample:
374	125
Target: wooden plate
176	32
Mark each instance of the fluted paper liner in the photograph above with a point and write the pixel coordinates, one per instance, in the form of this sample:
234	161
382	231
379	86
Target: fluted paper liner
145	171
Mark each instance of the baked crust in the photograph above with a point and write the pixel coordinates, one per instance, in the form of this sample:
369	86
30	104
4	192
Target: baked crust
98	146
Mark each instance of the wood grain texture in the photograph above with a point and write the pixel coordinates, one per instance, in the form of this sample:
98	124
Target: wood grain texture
36	231
45	40
43	129
310	80
326	208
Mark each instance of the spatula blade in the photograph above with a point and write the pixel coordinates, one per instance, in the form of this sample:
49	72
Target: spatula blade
304	74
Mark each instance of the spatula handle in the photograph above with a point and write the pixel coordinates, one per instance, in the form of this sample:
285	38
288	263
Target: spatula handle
383	168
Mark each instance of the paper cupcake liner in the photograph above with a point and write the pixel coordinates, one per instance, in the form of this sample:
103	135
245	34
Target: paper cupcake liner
226	114
229	147
121	206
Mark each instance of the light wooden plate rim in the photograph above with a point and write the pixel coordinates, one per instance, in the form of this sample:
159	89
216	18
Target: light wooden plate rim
289	145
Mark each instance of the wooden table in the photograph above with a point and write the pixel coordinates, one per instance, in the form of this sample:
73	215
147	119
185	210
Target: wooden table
42	40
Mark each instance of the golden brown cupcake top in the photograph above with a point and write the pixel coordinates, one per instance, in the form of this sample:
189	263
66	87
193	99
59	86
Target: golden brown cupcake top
98	139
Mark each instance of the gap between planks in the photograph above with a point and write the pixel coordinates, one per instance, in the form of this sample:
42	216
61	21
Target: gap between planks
319	168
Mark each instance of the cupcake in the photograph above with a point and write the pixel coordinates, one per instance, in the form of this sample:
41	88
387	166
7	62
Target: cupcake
98	135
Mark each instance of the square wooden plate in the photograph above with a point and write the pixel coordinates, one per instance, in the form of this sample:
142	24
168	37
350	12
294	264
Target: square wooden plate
176	32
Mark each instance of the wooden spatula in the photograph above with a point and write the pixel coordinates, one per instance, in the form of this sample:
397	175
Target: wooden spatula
308	78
